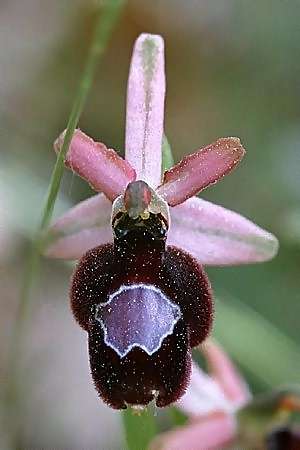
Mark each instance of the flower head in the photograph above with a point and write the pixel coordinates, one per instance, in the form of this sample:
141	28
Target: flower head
140	291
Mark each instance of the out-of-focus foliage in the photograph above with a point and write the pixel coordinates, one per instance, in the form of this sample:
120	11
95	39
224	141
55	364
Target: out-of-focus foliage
232	70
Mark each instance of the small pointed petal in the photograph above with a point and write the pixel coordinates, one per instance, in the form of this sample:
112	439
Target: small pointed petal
145	108
217	236
83	227
210	433
201	169
225	373
101	167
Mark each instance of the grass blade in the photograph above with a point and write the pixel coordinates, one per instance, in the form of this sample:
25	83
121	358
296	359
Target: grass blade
103	29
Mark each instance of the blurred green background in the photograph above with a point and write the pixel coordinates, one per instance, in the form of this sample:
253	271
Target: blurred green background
232	70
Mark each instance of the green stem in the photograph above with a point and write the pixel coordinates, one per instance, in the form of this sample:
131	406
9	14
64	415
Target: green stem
105	23
140	429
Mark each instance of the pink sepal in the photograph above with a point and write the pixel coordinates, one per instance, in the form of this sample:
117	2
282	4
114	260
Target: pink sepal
145	108
83	227
217	236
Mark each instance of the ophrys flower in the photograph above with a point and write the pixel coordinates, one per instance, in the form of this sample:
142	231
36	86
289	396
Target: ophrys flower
140	291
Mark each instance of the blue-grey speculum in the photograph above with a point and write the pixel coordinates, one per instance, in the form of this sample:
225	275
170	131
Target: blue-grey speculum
137	315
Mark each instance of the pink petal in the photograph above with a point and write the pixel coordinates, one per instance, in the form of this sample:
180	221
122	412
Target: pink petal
101	167
83	227
209	433
217	236
145	108
203	396
226	374
201	169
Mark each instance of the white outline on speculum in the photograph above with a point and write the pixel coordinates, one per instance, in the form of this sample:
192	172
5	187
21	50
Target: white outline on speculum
123	288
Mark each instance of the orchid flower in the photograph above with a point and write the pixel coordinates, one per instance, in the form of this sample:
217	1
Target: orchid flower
140	291
222	413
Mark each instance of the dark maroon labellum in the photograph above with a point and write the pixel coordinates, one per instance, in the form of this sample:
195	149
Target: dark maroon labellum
144	305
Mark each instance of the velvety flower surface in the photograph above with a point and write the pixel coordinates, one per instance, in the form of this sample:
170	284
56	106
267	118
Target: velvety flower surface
139	289
143	307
